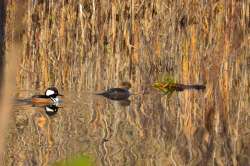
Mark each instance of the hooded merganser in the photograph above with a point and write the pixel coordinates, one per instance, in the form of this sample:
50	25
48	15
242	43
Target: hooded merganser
121	93
50	97
51	109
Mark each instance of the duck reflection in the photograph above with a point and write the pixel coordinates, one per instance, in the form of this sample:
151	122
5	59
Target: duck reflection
50	101
124	103
120	94
51	110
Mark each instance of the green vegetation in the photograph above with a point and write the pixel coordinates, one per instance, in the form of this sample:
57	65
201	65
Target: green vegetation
80	160
166	86
88	45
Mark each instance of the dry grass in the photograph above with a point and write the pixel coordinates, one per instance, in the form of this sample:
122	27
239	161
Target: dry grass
89	45
8	64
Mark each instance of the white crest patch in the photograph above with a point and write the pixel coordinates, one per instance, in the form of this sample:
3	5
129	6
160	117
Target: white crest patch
49	92
49	109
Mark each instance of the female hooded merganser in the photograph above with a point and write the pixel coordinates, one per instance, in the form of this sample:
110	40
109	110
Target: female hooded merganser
50	97
121	93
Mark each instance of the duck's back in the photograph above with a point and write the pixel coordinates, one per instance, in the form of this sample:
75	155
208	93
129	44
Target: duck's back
116	94
41	99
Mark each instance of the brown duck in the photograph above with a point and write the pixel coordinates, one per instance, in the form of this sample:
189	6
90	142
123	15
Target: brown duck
120	93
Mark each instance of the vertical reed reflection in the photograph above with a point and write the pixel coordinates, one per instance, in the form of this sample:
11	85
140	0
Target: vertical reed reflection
89	46
2	40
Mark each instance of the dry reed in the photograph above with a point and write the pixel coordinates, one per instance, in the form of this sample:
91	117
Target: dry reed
89	45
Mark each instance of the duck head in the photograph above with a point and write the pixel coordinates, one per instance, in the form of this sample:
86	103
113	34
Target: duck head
52	92
125	85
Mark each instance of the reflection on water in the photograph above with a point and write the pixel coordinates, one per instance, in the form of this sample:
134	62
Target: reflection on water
86	124
146	128
120	94
89	46
51	109
75	161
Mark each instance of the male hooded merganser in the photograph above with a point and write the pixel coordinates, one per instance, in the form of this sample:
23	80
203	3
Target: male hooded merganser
50	97
121	93
51	109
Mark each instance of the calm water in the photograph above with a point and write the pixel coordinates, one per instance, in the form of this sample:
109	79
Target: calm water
88	46
85	124
148	130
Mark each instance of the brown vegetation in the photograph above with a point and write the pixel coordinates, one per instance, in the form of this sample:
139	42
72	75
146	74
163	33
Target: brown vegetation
89	45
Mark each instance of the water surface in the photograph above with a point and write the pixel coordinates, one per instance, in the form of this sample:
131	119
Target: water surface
83	47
